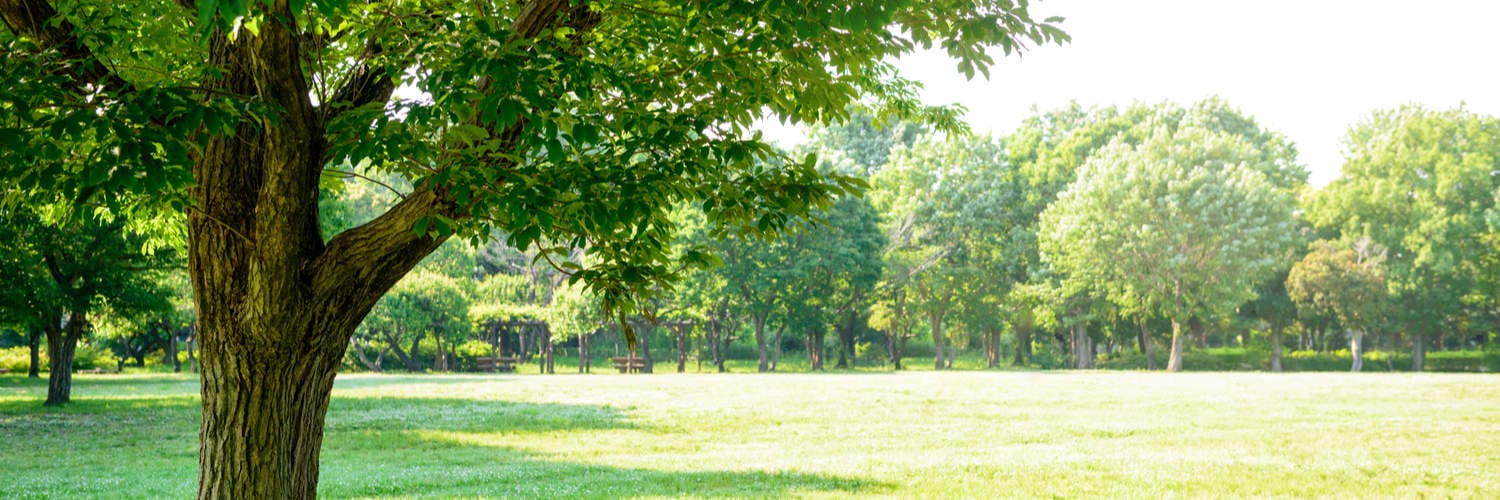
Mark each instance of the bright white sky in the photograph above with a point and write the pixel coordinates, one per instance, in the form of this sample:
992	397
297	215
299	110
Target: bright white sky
1306	68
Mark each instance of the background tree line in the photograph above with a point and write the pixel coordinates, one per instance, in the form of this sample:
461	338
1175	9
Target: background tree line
1124	237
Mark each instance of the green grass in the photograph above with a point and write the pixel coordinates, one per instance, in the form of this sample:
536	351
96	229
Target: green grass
954	434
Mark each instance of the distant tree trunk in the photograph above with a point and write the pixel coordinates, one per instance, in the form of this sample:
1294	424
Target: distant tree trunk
846	340
712	335
1174	360
649	365
935	318
1081	350
548	350
1418	352
1023	346
584	364
1200	334
759	320
62	344
1147	347
893	348
776	347
681	350
1275	349
812	354
34	341
414	359
992	348
1356	350
172	351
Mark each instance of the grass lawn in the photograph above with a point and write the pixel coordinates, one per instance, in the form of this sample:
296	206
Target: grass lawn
951	434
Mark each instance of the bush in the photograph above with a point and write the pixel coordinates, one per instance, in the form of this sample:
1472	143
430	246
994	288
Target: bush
471	350
89	357
1463	361
18	359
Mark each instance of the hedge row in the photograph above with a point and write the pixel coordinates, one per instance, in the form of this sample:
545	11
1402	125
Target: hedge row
1237	359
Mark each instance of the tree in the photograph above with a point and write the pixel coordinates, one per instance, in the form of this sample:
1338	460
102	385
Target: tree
1185	223
1419	183
424	303
574	314
835	264
85	266
1347	279
572	122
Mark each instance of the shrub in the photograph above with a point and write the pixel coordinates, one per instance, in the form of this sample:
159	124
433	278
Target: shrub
18	359
469	351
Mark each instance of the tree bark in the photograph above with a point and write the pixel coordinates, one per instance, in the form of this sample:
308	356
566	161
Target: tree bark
1174	360
1418	352
1275	349
62	344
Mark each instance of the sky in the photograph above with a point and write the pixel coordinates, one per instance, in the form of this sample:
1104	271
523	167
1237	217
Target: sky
1306	68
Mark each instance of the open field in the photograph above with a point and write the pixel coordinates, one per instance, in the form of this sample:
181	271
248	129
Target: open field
953	434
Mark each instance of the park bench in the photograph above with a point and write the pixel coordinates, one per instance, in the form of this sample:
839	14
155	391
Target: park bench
629	364
4	370
504	364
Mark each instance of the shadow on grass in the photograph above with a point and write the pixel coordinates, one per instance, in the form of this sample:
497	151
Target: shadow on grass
374	446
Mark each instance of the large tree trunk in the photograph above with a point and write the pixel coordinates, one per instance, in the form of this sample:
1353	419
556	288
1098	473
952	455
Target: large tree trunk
34	342
277	304
62	343
1174	359
1275	349
1418	352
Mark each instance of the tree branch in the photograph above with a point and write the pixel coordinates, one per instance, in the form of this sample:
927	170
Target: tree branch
33	19
366	84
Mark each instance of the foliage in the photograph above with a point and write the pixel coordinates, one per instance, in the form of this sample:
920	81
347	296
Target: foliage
1185	223
1344	279
1421	183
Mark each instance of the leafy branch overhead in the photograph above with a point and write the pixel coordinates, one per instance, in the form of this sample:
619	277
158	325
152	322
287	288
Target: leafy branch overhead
579	123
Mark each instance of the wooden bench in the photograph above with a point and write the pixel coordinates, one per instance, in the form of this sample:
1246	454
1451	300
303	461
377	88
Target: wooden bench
629	364
4	370
504	364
